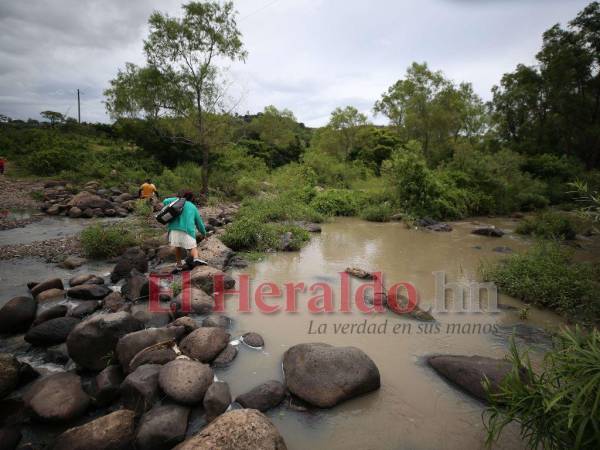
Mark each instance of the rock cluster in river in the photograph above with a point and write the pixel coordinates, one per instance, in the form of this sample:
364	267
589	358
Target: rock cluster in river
61	198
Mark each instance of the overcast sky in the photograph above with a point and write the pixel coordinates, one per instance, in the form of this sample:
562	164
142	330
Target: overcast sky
306	55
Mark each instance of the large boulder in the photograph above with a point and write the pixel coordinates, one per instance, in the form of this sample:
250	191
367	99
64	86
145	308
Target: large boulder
88	278
136	286
241	429
185	381
57	397
203	277
162	427
84	308
133	258
115	431
17	314
108	385
216	400
85	200
9	373
139	390
151	319
324	375
89	292
51	332
54	283
132	343
92	342
263	397
114	302
469	372
204	344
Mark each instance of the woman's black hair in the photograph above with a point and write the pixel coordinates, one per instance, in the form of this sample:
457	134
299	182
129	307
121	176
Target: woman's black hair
189	196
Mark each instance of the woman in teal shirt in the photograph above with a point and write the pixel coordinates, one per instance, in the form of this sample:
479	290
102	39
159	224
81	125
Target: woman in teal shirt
182	231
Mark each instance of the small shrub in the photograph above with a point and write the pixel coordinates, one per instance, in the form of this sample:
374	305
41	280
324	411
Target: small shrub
250	234
548	225
557	407
336	202
143	208
377	213
100	241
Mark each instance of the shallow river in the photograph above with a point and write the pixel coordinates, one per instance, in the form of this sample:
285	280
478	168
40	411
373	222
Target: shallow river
415	408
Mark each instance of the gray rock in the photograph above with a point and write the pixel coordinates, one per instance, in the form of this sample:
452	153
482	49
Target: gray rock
89	292
114	302
186	322
241	429
85	279
226	357
324	375
136	286
139	390
204	344
488	231
50	313
54	283
84	308
17	314
200	303
92	342
469	372
115	431
51	332
203	277
216	400
253	340
75	212
108	385
134	258
155	354
133	343
72	262
57	354
263	397
57	397
50	294
9	373
216	320
162	427
185	381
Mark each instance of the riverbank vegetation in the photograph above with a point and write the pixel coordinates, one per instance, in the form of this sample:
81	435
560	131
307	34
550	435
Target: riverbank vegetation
557	407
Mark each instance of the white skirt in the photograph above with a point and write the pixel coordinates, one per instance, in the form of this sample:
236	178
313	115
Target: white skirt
181	239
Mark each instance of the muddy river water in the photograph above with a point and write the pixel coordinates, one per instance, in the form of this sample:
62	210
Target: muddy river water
415	408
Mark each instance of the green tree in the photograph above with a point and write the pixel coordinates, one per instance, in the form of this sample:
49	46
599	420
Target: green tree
53	117
347	122
186	84
427	107
554	107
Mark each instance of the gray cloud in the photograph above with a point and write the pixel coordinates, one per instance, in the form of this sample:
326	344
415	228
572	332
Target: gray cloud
306	55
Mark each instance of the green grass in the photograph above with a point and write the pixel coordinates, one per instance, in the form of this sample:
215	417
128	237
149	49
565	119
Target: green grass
558	407
546	275
548	225
100	241
248	233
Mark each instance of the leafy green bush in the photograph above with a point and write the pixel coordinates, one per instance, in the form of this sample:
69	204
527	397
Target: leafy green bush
548	225
547	276
248	233
557	407
287	206
143	208
336	202
100	241
377	213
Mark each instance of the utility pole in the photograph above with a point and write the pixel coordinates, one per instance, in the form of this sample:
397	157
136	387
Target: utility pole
78	108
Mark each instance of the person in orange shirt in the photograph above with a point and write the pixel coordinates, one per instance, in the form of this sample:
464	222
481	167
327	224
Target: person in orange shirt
147	190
